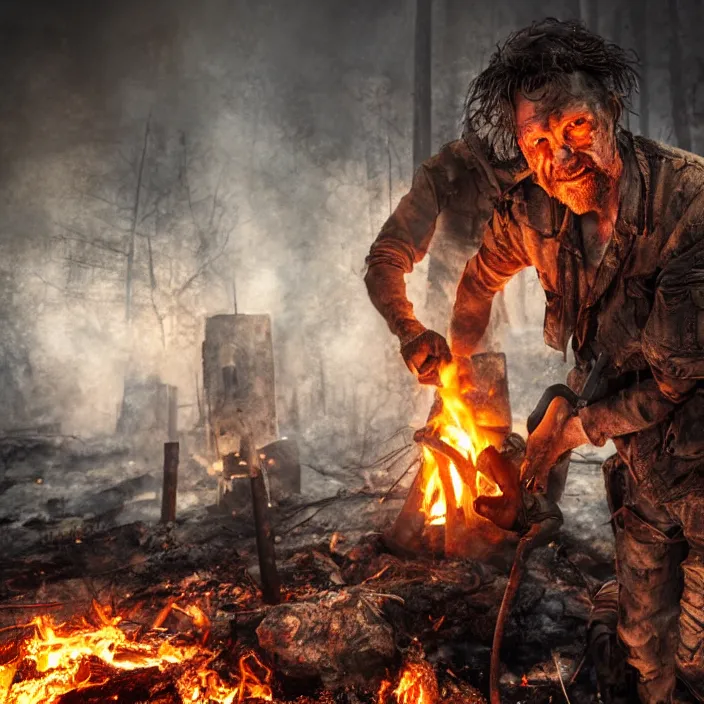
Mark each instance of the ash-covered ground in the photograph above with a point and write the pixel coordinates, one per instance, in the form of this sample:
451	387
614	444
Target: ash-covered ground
80	523
59	486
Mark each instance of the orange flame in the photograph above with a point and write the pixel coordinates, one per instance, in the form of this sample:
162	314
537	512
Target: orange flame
417	685
61	657
456	426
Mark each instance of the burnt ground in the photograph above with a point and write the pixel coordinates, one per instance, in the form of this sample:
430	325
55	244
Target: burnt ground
80	523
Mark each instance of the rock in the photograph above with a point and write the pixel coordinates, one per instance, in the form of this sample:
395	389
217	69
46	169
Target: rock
342	638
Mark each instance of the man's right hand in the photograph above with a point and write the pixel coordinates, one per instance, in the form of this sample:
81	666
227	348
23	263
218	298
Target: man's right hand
424	354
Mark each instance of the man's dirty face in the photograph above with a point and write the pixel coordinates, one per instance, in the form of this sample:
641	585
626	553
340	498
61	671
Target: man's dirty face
569	142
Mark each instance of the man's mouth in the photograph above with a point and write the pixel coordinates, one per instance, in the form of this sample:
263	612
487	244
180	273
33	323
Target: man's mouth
572	177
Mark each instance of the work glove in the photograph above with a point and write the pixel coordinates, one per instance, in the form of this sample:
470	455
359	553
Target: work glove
423	355
504	509
559	432
515	509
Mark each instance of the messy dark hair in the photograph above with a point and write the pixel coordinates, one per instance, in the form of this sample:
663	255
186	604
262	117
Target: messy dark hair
539	57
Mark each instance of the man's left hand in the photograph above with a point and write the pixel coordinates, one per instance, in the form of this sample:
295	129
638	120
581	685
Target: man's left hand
560	431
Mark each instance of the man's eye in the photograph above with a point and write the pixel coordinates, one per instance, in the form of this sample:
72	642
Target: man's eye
539	141
578	122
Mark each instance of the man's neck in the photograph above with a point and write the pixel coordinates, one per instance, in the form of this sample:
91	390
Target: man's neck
606	215
598	229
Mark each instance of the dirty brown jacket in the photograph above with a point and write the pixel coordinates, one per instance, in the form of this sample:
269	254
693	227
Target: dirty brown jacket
451	192
644	310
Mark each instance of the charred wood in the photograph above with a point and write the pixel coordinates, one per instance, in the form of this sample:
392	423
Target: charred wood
271	586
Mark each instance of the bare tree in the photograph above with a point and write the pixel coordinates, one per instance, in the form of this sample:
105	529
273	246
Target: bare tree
422	95
639	23
678	95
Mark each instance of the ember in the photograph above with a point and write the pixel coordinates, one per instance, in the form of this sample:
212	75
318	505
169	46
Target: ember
62	655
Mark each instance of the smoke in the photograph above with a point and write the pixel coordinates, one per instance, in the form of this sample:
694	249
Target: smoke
186	157
190	155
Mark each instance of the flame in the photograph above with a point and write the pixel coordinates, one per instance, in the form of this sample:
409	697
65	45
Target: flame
206	685
417	685
487	486
61	656
455	425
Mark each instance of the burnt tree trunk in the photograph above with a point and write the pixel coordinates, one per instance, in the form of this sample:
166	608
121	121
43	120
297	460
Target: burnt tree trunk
422	97
678	96
639	22
129	271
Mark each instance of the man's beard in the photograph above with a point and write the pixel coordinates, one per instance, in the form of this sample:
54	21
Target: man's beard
584	192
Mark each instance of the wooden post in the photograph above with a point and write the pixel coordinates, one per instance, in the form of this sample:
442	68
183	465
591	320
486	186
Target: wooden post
271	586
172	392
168	496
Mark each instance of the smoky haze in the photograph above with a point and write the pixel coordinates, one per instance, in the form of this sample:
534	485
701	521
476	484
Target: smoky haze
164	159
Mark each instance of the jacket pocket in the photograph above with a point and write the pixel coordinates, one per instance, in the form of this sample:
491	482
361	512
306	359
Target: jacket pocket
639	299
684	437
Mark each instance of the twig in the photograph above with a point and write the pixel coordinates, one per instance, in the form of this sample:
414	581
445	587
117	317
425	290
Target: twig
376	576
556	660
380	460
325	472
306	520
398	481
329	500
577	670
18	627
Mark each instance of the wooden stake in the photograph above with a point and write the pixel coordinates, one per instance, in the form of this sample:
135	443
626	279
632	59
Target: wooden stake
271	585
168	495
173	413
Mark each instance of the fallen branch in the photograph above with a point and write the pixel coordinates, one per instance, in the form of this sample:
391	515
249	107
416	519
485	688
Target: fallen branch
47	605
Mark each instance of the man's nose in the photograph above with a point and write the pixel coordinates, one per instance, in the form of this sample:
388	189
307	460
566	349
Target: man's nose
564	155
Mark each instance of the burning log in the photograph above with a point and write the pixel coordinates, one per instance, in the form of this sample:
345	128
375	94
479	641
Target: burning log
271	585
148	685
168	497
470	413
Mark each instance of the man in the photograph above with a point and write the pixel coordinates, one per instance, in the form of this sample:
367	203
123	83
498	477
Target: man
453	193
614	226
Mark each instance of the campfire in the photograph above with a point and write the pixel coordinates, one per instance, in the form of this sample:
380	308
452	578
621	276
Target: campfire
471	412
